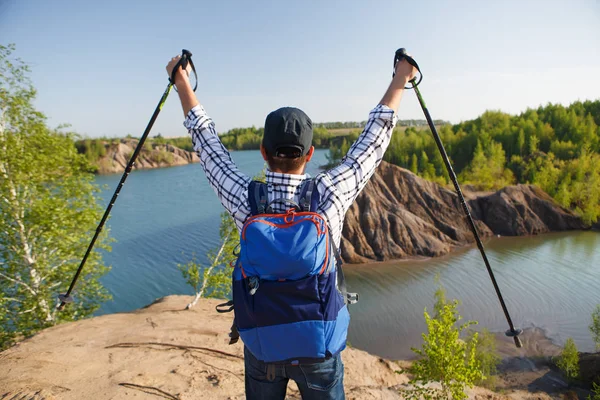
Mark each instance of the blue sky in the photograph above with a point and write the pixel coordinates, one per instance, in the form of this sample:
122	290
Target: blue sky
99	66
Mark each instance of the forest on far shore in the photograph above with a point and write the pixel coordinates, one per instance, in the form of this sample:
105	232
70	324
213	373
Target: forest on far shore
554	147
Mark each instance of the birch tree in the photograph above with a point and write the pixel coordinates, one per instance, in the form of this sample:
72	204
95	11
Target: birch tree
49	213
214	280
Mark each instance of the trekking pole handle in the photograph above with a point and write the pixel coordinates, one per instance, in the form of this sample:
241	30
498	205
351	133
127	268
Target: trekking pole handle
186	57
399	56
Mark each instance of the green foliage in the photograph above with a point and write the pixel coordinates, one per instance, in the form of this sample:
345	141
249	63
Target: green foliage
218	281
158	140
92	149
487	357
574	184
568	361
242	138
339	150
49	210
191	273
595	392
486	171
161	156
184	143
153	149
214	280
444	357
595	326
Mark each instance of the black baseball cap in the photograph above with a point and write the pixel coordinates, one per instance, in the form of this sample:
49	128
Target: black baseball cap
287	128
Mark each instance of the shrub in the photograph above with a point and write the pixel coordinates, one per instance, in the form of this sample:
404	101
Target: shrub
595	392
568	361
445	358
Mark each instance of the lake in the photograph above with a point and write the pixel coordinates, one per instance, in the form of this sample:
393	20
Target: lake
168	216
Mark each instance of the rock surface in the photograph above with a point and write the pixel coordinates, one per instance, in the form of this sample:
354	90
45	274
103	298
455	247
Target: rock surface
164	351
400	215
118	155
159	351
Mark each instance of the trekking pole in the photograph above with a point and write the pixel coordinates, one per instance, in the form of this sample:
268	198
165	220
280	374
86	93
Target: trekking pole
401	54
186	57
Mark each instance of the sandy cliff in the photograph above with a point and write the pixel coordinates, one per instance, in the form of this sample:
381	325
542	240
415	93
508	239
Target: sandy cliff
118	155
400	215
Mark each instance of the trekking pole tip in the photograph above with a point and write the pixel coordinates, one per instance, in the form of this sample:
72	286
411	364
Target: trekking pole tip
514	333
64	299
518	342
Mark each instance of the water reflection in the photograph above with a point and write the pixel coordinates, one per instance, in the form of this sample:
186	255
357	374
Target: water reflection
550	281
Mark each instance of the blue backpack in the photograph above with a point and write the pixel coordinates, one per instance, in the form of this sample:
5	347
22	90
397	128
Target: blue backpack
289	291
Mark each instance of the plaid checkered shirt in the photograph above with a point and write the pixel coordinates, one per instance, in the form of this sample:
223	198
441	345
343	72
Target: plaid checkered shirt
338	187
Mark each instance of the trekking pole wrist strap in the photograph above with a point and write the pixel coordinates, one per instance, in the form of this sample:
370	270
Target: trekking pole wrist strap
402	55
186	57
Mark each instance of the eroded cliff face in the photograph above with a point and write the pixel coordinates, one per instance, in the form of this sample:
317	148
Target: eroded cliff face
400	215
118	155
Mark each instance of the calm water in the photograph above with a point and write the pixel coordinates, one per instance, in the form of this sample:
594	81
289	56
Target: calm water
167	216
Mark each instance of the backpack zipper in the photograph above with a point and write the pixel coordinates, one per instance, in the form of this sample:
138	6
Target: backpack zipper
253	283
314	218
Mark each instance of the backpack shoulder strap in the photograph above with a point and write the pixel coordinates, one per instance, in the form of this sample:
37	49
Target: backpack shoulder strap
349	298
257	197
309	195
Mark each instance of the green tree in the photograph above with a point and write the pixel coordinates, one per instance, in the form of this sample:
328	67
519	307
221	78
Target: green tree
49	210
414	168
521	141
568	361
595	326
444	357
486	170
158	139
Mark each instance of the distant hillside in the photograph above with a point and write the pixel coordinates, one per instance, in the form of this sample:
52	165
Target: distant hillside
107	158
361	124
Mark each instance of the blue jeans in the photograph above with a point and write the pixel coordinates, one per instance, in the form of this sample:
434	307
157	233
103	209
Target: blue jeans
320	381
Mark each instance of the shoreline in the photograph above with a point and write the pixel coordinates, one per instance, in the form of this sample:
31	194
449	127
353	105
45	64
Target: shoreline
457	250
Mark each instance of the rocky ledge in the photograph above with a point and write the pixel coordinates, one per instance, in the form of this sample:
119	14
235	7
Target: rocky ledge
400	215
165	351
118	155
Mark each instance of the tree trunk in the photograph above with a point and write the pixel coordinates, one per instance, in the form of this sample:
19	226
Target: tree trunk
205	280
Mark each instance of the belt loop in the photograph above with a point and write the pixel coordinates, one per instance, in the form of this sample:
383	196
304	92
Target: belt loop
271	372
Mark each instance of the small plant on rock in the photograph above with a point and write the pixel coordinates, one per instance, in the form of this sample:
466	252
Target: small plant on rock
568	361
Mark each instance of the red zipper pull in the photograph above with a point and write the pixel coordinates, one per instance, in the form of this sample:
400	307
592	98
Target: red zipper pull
290	213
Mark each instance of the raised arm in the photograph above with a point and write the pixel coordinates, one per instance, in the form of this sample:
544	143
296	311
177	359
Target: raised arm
359	164
227	181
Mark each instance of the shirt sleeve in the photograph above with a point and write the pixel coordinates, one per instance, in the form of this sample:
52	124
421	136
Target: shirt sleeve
359	164
223	175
